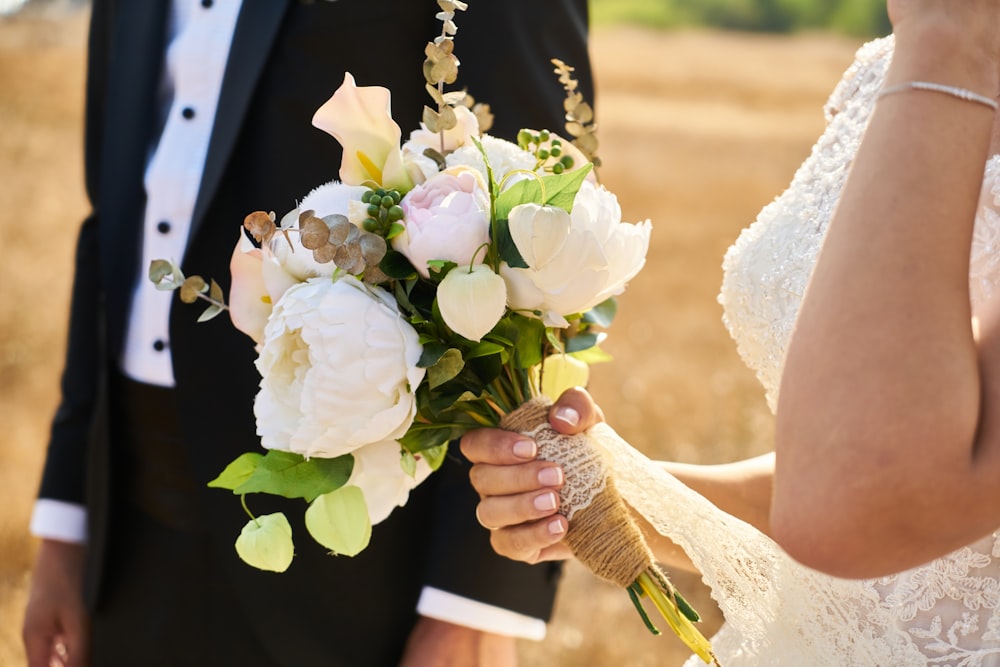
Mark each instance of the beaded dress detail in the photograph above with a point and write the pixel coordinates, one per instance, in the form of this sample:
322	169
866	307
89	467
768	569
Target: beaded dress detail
778	612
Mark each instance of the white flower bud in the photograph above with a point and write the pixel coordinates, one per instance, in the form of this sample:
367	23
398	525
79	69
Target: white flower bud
472	300
560	372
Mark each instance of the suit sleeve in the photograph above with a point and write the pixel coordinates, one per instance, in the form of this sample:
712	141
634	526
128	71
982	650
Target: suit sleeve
63	476
505	49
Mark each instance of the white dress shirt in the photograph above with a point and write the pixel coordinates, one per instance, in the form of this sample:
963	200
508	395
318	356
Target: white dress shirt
198	42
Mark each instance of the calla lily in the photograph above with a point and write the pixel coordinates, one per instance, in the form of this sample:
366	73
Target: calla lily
359	118
266	543
472	300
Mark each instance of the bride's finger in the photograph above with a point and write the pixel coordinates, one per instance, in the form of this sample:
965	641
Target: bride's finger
497	512
575	412
497	447
505	480
533	542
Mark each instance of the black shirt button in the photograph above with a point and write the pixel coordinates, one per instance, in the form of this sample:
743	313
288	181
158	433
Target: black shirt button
159	345
207	4
188	113
163	227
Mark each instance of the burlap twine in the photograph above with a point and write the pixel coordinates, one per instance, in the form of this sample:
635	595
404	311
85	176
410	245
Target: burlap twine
602	533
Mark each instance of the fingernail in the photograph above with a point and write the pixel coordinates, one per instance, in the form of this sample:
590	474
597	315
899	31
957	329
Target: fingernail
568	416
525	449
545	502
551	476
556	527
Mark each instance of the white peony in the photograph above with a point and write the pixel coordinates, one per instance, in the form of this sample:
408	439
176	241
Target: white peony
338	367
505	158
575	260
328	199
380	476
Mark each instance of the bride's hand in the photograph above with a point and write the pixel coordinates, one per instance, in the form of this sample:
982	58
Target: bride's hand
519	495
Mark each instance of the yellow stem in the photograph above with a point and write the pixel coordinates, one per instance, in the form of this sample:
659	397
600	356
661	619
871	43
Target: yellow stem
679	623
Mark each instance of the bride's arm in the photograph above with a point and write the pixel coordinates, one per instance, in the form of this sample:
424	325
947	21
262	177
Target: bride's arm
519	493
885	458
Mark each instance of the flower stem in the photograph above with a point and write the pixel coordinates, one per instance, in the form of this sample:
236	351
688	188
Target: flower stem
666	604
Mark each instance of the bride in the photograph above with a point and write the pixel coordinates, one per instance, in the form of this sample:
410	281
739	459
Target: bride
887	466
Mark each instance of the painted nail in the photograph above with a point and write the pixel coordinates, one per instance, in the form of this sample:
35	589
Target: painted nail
568	416
556	527
551	476
525	449
545	502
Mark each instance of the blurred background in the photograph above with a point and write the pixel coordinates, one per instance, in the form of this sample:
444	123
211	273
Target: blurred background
705	107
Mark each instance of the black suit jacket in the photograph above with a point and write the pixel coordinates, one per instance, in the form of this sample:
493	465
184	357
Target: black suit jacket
286	59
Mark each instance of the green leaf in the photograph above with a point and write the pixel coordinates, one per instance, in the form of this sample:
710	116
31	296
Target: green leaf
583	341
292	476
447	367
423	437
395	229
435	455
483	349
530	335
559	190
238	471
408	462
592	355
396	266
432	353
339	521
506	248
603	314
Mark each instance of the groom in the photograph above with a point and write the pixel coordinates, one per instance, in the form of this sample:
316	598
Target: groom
198	112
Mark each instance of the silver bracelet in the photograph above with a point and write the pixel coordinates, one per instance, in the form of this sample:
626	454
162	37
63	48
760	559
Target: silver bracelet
960	93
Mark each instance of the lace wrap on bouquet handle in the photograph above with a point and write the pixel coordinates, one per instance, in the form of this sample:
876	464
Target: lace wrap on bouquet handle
598	518
778	613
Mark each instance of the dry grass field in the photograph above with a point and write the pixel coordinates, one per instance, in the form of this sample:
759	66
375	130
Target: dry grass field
698	131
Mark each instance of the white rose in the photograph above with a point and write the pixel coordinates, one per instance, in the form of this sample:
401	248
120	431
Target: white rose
446	218
381	478
338	368
575	261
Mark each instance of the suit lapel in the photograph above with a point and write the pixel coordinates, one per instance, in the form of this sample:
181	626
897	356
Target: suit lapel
256	30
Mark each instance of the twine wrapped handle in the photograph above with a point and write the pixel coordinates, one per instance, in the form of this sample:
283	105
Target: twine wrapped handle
602	533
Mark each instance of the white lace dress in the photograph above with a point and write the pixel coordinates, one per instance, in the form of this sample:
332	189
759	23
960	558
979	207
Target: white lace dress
778	612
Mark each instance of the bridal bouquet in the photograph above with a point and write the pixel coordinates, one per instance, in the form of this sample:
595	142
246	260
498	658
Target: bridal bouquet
442	283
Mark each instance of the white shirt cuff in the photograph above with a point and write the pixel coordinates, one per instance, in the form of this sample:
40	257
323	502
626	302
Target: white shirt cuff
59	520
451	608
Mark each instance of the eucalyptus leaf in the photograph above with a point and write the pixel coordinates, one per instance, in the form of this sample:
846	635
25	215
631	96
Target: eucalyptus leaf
339	521
582	342
238	471
293	476
603	314
210	313
160	269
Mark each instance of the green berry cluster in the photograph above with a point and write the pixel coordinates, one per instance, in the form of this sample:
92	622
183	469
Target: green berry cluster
383	210
546	148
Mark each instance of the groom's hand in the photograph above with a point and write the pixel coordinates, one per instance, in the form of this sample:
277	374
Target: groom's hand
435	643
519	494
56	625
